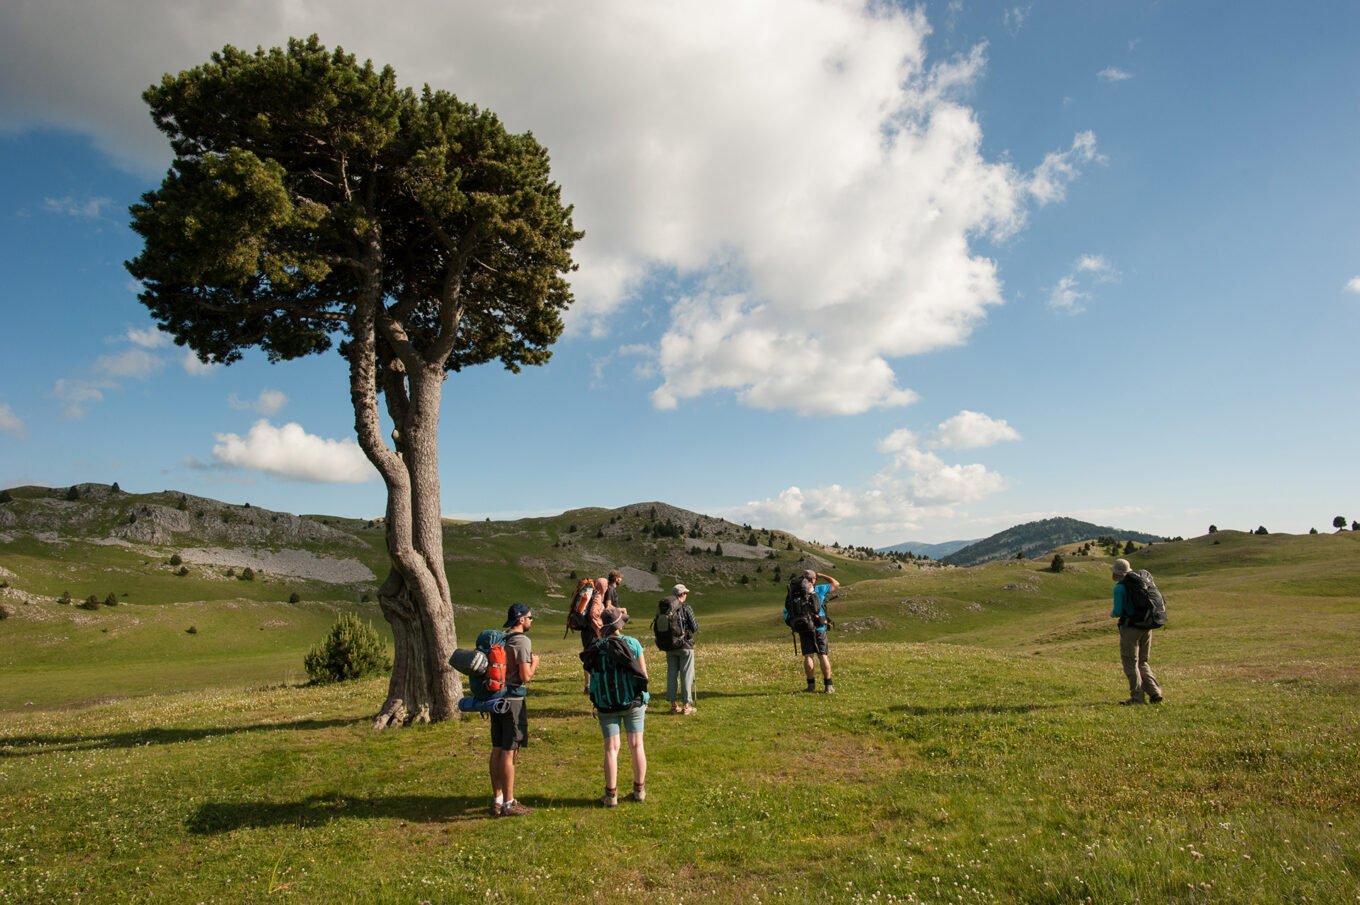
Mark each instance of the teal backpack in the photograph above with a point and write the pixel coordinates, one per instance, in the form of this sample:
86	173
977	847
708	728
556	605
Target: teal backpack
616	679
490	683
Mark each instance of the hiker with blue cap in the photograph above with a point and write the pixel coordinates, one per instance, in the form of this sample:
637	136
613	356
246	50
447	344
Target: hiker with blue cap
510	729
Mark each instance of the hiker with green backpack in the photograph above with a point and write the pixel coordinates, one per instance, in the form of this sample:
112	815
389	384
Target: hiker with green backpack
618	691
1140	608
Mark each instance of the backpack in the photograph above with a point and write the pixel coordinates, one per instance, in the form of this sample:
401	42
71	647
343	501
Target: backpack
802	611
1146	606
669	626
616	679
490	682
578	612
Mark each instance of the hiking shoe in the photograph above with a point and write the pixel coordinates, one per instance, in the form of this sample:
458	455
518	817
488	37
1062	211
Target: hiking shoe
676	708
515	809
689	710
495	810
1130	701
609	801
830	689
639	793
1155	700
810	689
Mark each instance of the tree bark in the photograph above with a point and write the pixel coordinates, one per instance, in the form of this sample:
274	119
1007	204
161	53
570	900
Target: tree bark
415	596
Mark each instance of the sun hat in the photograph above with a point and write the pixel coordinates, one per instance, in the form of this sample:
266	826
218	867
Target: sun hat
1120	568
679	589
612	618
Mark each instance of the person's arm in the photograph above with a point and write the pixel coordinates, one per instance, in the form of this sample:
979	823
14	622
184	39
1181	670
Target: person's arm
527	670
823	578
691	624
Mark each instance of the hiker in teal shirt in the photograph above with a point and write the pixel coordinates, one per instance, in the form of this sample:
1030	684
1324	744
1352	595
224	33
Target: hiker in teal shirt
1135	644
618	689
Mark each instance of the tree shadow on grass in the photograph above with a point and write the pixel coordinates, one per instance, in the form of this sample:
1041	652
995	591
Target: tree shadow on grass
33	745
216	817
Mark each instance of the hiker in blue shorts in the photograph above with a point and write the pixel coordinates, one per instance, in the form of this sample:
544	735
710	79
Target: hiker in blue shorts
618	689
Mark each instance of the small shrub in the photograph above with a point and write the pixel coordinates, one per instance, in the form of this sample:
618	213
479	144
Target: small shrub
191	630
1057	565
65	597
73	494
364	598
111	600
231	572
6	496
175	559
653	565
247	574
183	570
294	597
352	650
90	603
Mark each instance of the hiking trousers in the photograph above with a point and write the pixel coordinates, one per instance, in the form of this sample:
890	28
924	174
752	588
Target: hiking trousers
680	676
1134	647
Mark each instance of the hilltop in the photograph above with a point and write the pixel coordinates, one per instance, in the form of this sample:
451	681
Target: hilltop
1038	538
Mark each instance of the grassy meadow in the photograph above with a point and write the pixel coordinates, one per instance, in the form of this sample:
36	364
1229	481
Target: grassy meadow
973	751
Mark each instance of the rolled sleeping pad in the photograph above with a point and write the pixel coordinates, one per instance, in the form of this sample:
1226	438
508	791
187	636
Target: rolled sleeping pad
468	662
495	705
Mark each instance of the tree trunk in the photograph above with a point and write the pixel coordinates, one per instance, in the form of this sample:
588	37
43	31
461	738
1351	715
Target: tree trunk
415	597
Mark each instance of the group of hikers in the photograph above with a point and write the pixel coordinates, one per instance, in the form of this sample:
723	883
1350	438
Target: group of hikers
617	679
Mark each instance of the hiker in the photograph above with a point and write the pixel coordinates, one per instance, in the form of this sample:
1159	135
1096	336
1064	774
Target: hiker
805	613
606	595
510	730
674	628
618	691
1134	643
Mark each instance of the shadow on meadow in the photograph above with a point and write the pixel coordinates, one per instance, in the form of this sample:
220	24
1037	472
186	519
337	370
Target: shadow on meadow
970	709
218	817
31	745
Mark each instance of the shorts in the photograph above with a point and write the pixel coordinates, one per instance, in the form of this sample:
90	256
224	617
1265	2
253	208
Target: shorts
510	731
814	643
629	720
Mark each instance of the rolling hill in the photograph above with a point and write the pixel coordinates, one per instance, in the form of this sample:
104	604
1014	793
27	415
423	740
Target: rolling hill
1037	538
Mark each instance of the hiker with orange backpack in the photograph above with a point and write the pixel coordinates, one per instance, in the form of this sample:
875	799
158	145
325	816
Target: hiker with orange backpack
510	728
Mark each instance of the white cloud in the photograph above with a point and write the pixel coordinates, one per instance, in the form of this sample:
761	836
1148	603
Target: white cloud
77	395
132	363
1070	296
915	485
1353	286
1014	18
10	423
1113	74
150	338
80	208
1049	181
269	402
972	430
291	452
804	164
194	367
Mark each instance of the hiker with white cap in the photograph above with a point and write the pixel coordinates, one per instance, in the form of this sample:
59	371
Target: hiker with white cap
674	627
1135	627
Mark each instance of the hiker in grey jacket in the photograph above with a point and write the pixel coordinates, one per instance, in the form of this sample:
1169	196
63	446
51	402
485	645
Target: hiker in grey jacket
680	661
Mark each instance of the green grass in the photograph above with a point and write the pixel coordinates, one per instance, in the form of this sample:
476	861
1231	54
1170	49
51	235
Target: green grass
973	752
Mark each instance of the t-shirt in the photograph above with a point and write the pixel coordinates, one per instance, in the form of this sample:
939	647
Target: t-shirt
518	649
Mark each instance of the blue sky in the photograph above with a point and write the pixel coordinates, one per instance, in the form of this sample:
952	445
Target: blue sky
868	274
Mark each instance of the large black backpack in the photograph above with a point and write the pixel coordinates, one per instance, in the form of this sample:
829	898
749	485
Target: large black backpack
669	625
802	609
1146	607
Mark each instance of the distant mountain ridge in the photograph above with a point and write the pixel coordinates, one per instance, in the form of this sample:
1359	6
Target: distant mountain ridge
1037	538
934	551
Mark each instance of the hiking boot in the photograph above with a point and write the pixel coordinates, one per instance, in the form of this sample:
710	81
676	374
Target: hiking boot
1155	699
1130	701
609	801
810	689
689	710
639	793
495	809
830	689
676	708
515	809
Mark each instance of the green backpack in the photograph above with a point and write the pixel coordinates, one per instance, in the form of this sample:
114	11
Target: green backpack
616	679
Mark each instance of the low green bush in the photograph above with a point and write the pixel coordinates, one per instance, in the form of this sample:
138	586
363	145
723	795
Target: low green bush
352	650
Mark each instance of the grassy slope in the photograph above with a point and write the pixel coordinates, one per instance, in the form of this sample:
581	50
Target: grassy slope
986	764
